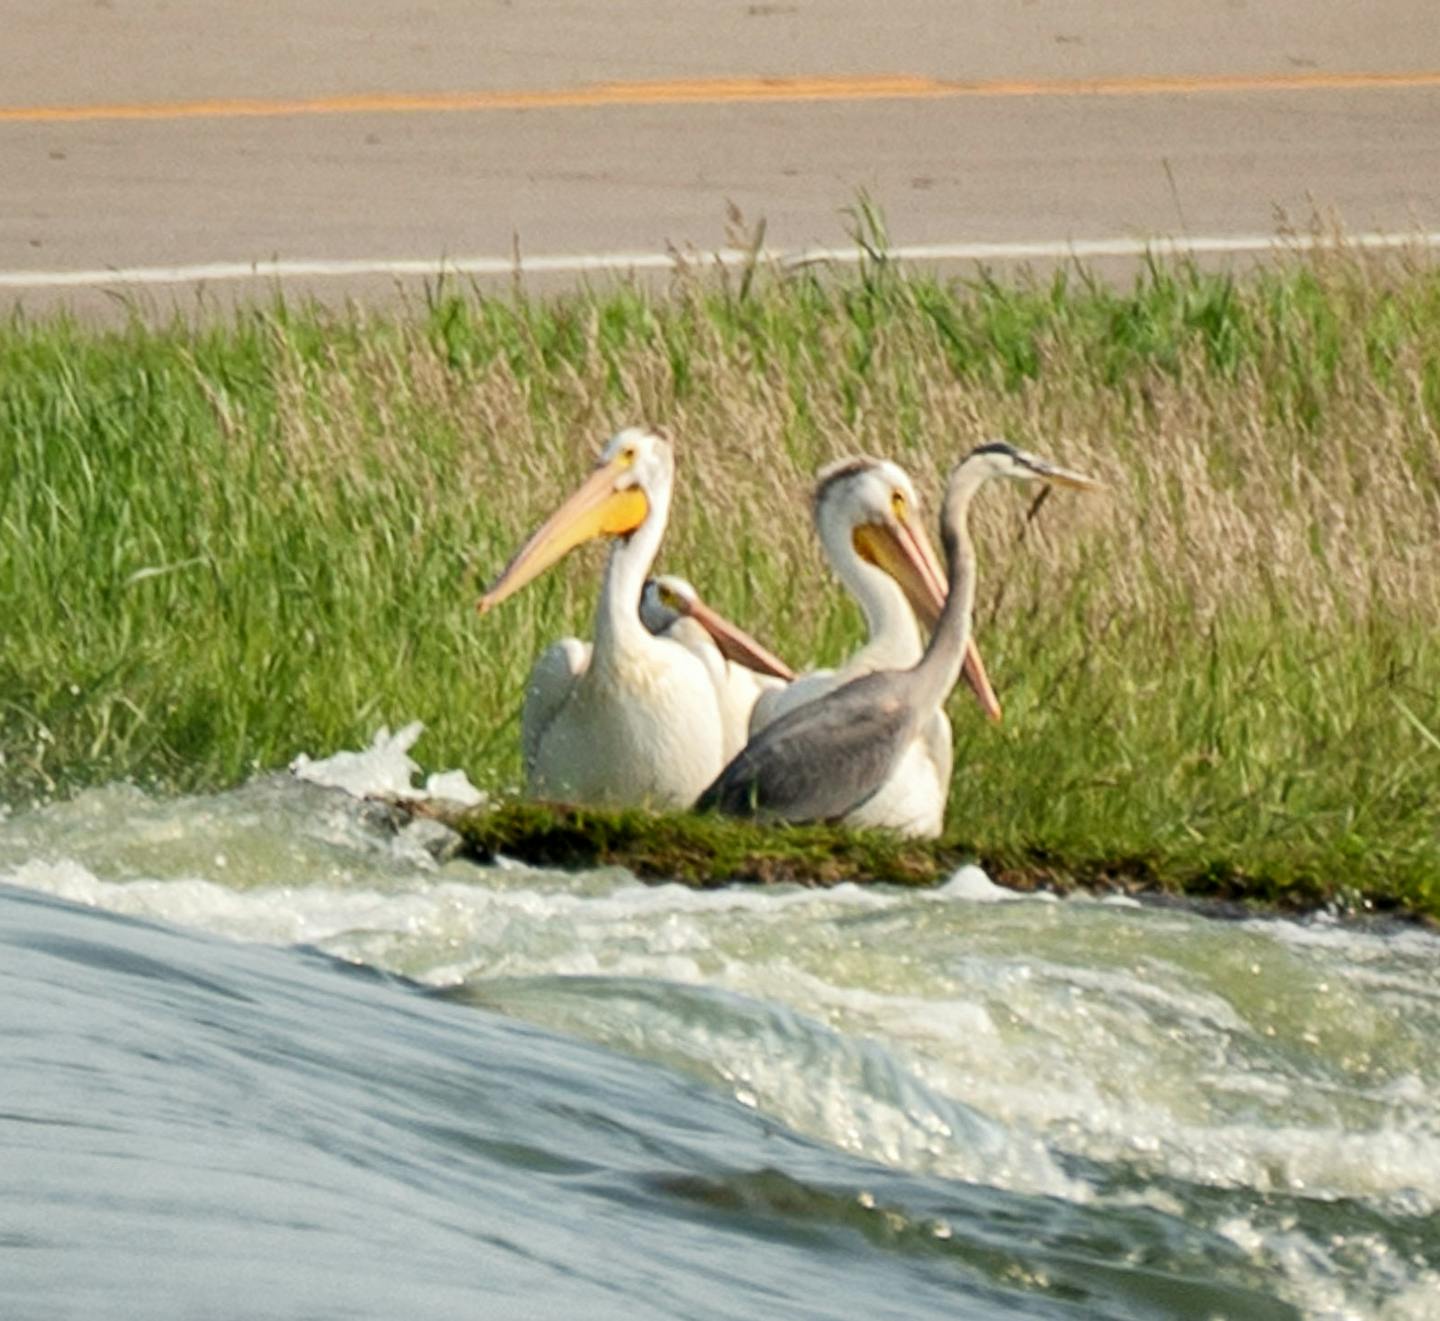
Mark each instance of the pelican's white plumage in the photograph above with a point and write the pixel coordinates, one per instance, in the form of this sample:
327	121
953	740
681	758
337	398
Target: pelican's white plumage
869	521
632	718
670	607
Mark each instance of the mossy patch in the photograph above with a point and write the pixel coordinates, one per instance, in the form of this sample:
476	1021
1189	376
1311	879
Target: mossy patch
711	851
703	851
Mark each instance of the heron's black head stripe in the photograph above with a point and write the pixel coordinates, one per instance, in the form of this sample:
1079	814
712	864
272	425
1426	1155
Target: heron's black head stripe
996	447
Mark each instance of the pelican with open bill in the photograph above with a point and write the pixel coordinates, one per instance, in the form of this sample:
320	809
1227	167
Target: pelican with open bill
869	521
633	719
823	760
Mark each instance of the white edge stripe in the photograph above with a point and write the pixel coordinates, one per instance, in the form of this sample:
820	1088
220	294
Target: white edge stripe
620	262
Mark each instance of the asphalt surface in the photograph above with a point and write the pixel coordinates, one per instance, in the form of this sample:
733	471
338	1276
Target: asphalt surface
142	134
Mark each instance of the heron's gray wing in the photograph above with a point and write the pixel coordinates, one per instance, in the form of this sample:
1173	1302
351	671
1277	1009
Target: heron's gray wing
821	760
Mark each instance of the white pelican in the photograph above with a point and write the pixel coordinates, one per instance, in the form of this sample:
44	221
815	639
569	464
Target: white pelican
635	719
868	518
670	607
824	760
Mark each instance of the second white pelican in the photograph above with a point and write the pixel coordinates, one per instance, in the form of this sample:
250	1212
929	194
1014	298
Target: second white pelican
634	719
824	759
868	518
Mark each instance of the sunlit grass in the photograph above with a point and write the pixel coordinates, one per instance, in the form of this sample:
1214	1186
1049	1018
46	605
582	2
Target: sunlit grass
220	546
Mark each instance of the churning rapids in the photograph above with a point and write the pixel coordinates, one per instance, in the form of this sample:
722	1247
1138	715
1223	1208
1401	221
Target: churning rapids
263	1059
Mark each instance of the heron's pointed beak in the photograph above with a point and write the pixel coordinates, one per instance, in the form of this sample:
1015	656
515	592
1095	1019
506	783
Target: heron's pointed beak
734	643
1058	476
904	552
596	509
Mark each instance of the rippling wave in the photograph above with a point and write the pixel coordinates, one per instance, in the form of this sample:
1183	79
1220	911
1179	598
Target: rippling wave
339	1078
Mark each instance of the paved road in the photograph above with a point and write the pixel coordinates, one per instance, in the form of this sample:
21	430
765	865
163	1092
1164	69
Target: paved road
142	133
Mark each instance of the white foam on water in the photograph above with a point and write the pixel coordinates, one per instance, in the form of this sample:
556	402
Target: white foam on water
1296	1059
970	882
1133	1058
301	915
1397	1289
973	884
385	769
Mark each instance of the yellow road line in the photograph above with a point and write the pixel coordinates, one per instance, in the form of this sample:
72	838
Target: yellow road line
717	91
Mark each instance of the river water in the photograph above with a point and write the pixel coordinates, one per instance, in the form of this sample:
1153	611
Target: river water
264	1058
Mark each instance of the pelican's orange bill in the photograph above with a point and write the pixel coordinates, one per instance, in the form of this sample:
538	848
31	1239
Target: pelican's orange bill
904	552
734	643
596	509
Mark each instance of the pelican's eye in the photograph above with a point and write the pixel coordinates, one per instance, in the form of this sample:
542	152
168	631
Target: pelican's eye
627	455
897	505
670	597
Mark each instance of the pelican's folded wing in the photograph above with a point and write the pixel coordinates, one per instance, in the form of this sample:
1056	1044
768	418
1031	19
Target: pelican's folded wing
552	680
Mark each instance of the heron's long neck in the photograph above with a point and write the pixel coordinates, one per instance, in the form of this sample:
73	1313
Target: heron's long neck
893	636
939	668
618	628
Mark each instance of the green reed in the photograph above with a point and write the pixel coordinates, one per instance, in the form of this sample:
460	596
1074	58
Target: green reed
225	542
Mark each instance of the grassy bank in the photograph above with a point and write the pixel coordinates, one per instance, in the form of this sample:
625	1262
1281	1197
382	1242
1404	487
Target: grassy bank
222	545
707	851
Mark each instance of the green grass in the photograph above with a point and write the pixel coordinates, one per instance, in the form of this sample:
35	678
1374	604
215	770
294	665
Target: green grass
223	544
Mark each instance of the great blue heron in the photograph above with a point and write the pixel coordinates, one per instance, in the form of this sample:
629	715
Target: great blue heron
635	719
822	760
870	525
741	669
